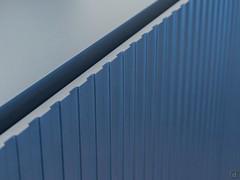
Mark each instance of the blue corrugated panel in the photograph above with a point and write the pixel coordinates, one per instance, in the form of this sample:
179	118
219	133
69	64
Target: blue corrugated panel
10	161
87	117
129	104
71	136
103	133
166	108
116	116
30	157
51	140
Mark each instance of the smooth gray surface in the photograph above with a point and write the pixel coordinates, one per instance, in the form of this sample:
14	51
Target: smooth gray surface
38	36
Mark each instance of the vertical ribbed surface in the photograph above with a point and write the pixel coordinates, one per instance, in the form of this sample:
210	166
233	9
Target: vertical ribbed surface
168	108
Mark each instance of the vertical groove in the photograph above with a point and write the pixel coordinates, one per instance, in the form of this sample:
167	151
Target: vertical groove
135	85
152	99
61	135
123	138
18	161
95	119
41	148
110	124
144	100
79	133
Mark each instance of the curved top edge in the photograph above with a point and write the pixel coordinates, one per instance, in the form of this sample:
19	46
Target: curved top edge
26	102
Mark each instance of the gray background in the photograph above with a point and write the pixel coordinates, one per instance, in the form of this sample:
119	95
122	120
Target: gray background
37	36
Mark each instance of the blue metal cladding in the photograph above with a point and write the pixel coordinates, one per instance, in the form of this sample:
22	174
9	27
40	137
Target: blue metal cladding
166	108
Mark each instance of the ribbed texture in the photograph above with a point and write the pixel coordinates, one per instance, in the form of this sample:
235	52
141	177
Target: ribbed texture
168	108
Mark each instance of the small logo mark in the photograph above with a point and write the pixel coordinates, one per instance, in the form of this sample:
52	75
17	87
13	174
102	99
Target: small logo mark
235	174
